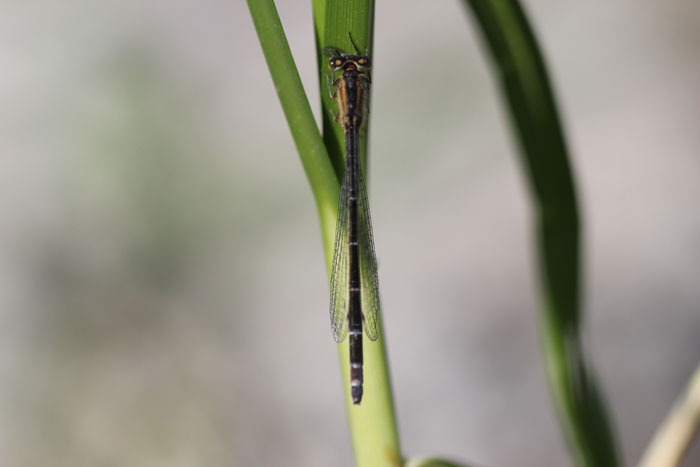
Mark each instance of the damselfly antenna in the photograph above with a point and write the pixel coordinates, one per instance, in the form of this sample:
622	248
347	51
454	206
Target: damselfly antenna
354	44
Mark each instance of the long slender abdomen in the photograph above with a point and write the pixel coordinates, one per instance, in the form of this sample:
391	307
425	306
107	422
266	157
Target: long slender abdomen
355	297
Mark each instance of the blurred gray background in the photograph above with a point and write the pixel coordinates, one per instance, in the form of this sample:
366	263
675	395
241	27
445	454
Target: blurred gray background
163	297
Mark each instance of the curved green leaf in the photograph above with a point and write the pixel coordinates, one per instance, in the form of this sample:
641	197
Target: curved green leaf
525	84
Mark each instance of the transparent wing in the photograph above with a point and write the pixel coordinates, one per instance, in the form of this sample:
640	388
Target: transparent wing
340	272
368	265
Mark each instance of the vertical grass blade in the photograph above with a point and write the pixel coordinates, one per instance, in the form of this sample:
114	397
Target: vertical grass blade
312	151
335	22
373	423
524	82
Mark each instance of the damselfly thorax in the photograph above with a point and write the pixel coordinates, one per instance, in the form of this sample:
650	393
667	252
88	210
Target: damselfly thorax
352	86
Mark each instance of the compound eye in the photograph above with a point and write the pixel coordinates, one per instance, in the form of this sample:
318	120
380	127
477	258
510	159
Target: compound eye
362	61
336	62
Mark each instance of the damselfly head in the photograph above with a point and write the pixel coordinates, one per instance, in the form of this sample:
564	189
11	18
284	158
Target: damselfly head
349	63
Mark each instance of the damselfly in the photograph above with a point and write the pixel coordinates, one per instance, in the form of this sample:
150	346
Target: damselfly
354	285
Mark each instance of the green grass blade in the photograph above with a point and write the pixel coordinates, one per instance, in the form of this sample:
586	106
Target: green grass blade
335	22
525	84
373	423
312	151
